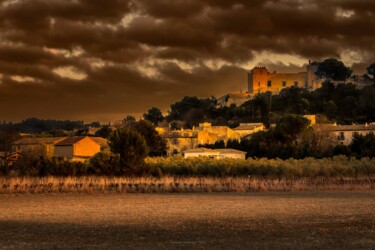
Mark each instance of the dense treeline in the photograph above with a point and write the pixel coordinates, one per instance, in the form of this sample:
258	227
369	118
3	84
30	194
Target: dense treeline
308	167
37	126
338	166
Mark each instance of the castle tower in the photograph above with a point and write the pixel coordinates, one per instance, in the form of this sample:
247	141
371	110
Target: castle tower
257	80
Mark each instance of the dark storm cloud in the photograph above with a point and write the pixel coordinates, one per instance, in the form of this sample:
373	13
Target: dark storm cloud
135	54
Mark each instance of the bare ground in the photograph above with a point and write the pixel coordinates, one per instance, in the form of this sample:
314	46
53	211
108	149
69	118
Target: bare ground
306	220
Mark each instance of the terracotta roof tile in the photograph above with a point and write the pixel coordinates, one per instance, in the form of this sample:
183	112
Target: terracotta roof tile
70	140
43	140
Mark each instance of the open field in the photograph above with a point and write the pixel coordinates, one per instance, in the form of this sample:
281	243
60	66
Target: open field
300	220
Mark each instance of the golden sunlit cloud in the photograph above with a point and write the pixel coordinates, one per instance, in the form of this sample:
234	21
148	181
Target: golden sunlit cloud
70	72
23	79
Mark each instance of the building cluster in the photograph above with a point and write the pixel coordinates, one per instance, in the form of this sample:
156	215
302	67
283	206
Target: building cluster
187	142
74	148
180	141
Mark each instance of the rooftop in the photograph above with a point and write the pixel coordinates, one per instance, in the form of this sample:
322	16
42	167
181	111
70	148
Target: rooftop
248	126
355	127
215	151
70	140
101	141
42	140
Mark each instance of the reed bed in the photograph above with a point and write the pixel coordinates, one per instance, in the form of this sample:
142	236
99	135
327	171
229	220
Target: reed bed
34	185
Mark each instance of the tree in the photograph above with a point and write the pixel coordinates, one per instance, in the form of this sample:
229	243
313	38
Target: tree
129	120
36	126
8	134
333	69
293	100
193	117
94	125
371	73
180	108
104	132
131	147
290	126
262	101
363	145
105	163
154	115
156	144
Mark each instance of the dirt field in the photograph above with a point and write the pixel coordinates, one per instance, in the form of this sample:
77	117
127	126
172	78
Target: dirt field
326	220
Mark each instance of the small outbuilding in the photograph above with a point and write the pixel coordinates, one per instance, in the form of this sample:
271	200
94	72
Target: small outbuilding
78	148
43	145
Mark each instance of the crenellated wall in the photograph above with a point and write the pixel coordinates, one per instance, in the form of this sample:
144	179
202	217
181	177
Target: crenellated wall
260	80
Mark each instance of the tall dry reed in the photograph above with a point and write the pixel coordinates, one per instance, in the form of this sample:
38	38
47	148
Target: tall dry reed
179	184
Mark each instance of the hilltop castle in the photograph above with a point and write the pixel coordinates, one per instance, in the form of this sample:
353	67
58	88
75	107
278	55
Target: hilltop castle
260	80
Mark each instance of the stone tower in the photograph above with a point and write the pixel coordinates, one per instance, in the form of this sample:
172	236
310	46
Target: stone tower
257	80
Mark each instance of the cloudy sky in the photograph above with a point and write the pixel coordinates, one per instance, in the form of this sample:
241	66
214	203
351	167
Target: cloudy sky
104	59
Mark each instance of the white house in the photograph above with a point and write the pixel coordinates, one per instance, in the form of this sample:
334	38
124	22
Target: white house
215	153
345	133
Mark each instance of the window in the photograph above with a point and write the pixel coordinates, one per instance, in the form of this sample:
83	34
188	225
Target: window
295	84
284	83
341	136
269	83
258	84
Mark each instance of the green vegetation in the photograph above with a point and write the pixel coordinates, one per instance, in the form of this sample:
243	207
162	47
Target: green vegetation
37	126
308	167
371	72
157	146
153	115
8	134
333	69
108	164
131	147
104	132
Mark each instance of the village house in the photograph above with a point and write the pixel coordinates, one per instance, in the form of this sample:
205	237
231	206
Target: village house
76	148
179	141
224	133
43	145
215	153
79	148
245	130
344	134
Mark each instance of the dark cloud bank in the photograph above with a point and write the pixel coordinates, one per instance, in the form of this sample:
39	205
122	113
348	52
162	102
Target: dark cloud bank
119	57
